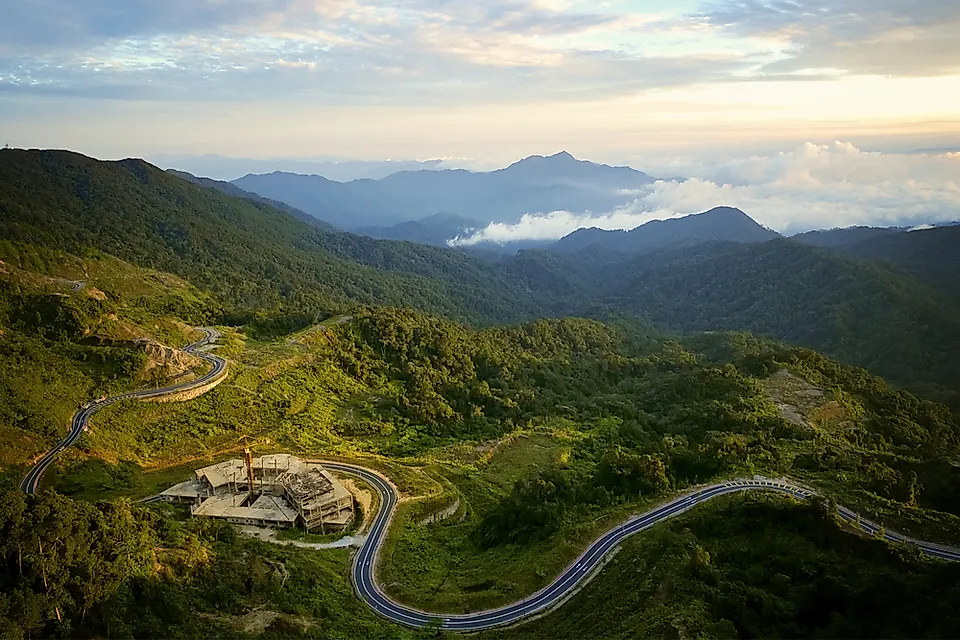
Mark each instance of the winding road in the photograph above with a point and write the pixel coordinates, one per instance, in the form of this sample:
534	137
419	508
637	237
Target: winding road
31	481
564	585
570	579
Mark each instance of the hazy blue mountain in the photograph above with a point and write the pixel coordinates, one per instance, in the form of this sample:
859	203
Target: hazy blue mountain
846	237
563	168
225	168
231	189
718	224
536	184
436	229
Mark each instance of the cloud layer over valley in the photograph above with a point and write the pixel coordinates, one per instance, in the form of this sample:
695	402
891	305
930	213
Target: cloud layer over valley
810	187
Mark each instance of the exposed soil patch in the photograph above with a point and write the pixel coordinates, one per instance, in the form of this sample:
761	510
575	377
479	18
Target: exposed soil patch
257	621
164	361
270	535
803	403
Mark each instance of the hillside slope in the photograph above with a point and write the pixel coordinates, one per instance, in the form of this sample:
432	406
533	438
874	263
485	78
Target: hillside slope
248	253
230	189
856	311
757	567
718	224
72	329
929	255
846	237
436	229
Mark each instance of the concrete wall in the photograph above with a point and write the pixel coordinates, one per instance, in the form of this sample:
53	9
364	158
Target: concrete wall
193	392
443	514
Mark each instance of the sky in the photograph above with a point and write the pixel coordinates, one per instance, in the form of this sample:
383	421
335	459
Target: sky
479	84
483	81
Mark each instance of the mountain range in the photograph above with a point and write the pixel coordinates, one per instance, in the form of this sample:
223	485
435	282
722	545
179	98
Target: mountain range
534	184
889	302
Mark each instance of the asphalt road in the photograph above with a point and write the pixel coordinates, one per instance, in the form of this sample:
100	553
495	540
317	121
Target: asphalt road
31	481
365	561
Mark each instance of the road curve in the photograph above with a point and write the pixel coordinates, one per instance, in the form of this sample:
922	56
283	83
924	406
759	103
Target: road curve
31	481
365	561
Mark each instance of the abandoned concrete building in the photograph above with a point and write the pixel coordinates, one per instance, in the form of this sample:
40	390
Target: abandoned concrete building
278	490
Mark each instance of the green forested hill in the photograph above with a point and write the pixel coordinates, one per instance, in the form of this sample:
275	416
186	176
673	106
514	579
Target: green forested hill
757	567
547	433
250	254
929	255
58	316
858	311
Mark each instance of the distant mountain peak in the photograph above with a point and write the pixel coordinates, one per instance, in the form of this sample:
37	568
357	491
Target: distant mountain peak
562	155
536	183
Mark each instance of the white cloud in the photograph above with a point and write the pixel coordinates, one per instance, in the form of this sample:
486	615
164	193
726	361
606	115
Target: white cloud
554	225
811	187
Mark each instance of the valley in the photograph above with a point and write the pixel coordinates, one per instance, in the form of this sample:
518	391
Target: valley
523	409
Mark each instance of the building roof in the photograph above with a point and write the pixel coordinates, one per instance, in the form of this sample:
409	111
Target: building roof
188	489
265	508
279	461
223	473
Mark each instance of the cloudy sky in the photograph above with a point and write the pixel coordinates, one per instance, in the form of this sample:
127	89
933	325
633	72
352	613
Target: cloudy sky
488	81
484	83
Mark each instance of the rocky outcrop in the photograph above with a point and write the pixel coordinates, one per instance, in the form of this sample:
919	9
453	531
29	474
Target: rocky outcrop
162	362
192	392
167	362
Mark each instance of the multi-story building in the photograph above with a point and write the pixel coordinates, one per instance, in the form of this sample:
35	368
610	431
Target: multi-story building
273	490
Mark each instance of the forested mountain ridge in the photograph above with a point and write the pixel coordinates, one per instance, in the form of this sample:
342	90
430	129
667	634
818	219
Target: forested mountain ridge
929	255
857	311
846	237
262	262
231	189
718	224
436	229
250	254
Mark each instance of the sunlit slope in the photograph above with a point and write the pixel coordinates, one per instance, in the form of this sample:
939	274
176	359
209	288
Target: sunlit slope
249	254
